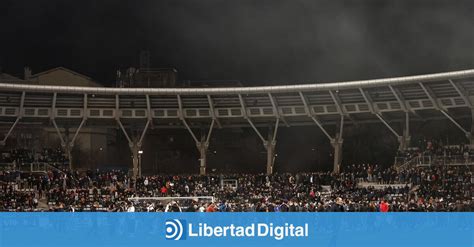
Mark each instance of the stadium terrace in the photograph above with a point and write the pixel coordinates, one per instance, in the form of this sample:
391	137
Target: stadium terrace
428	175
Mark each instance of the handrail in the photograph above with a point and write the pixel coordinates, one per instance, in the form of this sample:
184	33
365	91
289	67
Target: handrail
437	160
405	164
242	90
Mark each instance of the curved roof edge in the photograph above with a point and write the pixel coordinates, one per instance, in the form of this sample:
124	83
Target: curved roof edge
244	90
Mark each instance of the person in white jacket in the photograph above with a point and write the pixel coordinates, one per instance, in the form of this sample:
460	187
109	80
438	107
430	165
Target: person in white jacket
131	208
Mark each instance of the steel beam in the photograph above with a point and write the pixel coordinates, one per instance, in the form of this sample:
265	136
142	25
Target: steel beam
183	120
63	143
434	101
244	112
462	92
22	103
270	145
53	106
404	140
2	143
467	133
117	107
336	143
275	109
212	110
401	138
202	147
471	137
71	144
142	136
340	107
387	125
208	138
402	101
368	100
431	96
313	117
338	104
84	106
399	98
135	146
148	109
124	131
19	116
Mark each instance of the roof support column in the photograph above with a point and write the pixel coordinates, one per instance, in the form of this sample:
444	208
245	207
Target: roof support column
471	134
471	137
270	145
134	148
405	139
70	144
203	146
53	121
336	143
135	143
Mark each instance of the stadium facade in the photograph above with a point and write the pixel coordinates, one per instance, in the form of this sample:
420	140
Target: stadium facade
393	102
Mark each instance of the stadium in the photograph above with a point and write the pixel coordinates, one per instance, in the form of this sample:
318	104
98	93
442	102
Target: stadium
434	175
236	123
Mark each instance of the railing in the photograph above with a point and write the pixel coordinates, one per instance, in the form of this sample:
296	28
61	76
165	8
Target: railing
29	167
4	166
455	160
402	163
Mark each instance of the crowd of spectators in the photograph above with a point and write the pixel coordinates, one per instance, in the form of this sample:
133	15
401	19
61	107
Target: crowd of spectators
435	148
415	189
27	156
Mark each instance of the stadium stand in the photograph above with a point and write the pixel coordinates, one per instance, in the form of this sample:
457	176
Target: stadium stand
431	177
357	188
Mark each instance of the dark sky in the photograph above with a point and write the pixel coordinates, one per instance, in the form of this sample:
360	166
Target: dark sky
260	41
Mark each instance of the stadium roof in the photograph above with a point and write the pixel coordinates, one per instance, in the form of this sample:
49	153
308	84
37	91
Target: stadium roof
386	101
421	96
291	87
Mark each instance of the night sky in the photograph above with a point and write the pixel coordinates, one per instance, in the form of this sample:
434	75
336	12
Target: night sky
264	41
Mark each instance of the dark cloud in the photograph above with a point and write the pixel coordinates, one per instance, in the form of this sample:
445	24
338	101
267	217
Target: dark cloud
271	41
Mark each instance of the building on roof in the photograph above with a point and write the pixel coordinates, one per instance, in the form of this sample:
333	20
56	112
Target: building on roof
147	78
4	77
60	76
